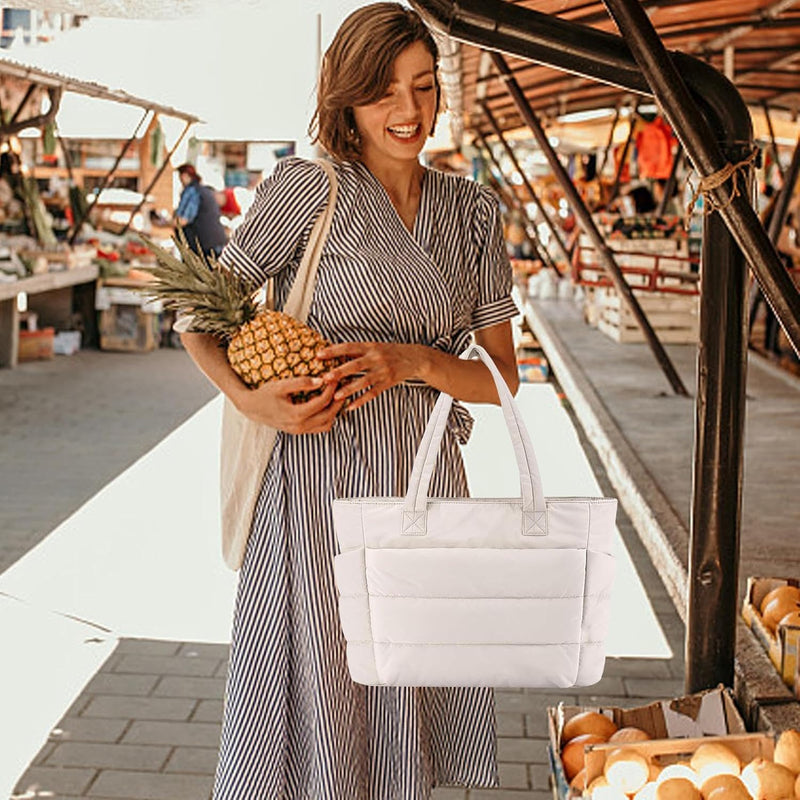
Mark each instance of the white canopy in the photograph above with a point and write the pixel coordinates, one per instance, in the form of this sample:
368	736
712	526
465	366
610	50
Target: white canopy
247	69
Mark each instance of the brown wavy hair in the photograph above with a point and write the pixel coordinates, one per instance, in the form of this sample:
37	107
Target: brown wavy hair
357	69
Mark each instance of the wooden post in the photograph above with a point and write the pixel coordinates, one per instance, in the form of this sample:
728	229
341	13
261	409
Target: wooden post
9	332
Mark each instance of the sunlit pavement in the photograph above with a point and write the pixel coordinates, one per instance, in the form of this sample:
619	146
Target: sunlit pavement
140	562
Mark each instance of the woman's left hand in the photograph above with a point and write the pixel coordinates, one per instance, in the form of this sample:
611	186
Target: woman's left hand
371	368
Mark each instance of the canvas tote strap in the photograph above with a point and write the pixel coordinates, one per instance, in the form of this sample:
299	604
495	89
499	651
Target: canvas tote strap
299	300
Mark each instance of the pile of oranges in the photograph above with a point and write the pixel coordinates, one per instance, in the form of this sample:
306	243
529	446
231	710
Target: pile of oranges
713	772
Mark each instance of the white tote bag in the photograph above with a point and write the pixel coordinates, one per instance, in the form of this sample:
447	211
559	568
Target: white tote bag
473	591
246	446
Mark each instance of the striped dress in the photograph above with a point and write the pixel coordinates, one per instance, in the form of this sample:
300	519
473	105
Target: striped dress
295	725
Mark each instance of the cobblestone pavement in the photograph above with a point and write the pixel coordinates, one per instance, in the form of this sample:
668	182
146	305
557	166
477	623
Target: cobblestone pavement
68	426
147	725
659	427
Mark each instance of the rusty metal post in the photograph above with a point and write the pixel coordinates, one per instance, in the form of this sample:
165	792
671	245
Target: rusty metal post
715	524
669	186
781	210
625	149
712	113
533	239
584	217
158	174
106	180
610	142
531	191
773	145
67	158
702	146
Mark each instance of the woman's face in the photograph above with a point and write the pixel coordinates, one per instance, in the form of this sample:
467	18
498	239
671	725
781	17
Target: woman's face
396	126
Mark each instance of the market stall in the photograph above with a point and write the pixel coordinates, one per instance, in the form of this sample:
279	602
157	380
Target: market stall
55	241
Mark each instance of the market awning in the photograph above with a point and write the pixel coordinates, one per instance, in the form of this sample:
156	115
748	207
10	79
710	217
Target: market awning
757	42
56	80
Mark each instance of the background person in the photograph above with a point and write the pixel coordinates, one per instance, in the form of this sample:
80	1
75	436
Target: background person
198	214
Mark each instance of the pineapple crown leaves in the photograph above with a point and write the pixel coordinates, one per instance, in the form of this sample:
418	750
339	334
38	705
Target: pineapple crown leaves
219	300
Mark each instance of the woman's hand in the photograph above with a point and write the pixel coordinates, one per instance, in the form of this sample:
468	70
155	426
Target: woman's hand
371	368
374	367
271	404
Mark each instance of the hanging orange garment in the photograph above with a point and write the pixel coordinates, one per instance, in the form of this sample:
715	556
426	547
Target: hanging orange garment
654	143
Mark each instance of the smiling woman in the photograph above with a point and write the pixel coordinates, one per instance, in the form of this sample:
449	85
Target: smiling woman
414	269
378	34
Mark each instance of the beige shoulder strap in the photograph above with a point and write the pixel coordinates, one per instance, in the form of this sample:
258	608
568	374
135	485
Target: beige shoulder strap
302	291
246	446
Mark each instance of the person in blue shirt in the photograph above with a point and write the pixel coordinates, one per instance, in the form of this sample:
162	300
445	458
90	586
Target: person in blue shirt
198	214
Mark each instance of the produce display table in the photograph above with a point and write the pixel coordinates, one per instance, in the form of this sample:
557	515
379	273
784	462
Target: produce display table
36	284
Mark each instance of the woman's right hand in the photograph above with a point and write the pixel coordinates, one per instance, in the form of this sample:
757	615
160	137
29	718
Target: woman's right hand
271	404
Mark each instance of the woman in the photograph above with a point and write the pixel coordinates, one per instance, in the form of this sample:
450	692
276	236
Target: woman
413	264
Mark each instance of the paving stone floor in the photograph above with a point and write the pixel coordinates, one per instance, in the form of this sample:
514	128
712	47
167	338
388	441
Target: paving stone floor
147	725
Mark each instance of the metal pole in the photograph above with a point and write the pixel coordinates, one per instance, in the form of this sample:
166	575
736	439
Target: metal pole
702	147
773	145
31	89
158	174
106	180
624	157
781	210
67	158
584	217
518	204
721	377
606	57
511	201
774	227
533	238
610	139
669	186
553	230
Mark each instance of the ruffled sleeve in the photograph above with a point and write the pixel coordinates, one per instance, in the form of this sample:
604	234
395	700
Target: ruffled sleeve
284	208
494	303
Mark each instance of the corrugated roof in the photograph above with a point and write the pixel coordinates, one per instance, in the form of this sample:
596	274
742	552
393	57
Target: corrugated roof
19	69
764	36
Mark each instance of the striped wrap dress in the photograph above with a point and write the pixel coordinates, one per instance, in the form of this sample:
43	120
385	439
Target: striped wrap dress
295	725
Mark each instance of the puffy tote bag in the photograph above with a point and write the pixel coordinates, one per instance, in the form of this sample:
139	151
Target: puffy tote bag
473	591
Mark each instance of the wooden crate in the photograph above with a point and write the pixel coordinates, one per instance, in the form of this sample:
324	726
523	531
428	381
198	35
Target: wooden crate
675	318
35	345
706	714
746	746
128	328
783	648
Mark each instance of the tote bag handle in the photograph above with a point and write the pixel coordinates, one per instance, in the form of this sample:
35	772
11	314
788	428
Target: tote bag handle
534	516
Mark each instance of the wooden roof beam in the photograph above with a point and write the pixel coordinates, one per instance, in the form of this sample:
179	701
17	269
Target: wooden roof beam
768	14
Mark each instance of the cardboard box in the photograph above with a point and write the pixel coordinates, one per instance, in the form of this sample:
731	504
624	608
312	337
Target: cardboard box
35	345
783	647
710	713
128	328
747	746
67	343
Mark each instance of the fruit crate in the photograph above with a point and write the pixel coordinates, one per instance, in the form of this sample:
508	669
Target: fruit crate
675	318
783	645
712	713
746	746
35	345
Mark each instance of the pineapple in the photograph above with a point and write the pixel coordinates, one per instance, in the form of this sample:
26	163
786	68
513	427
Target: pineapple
262	345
